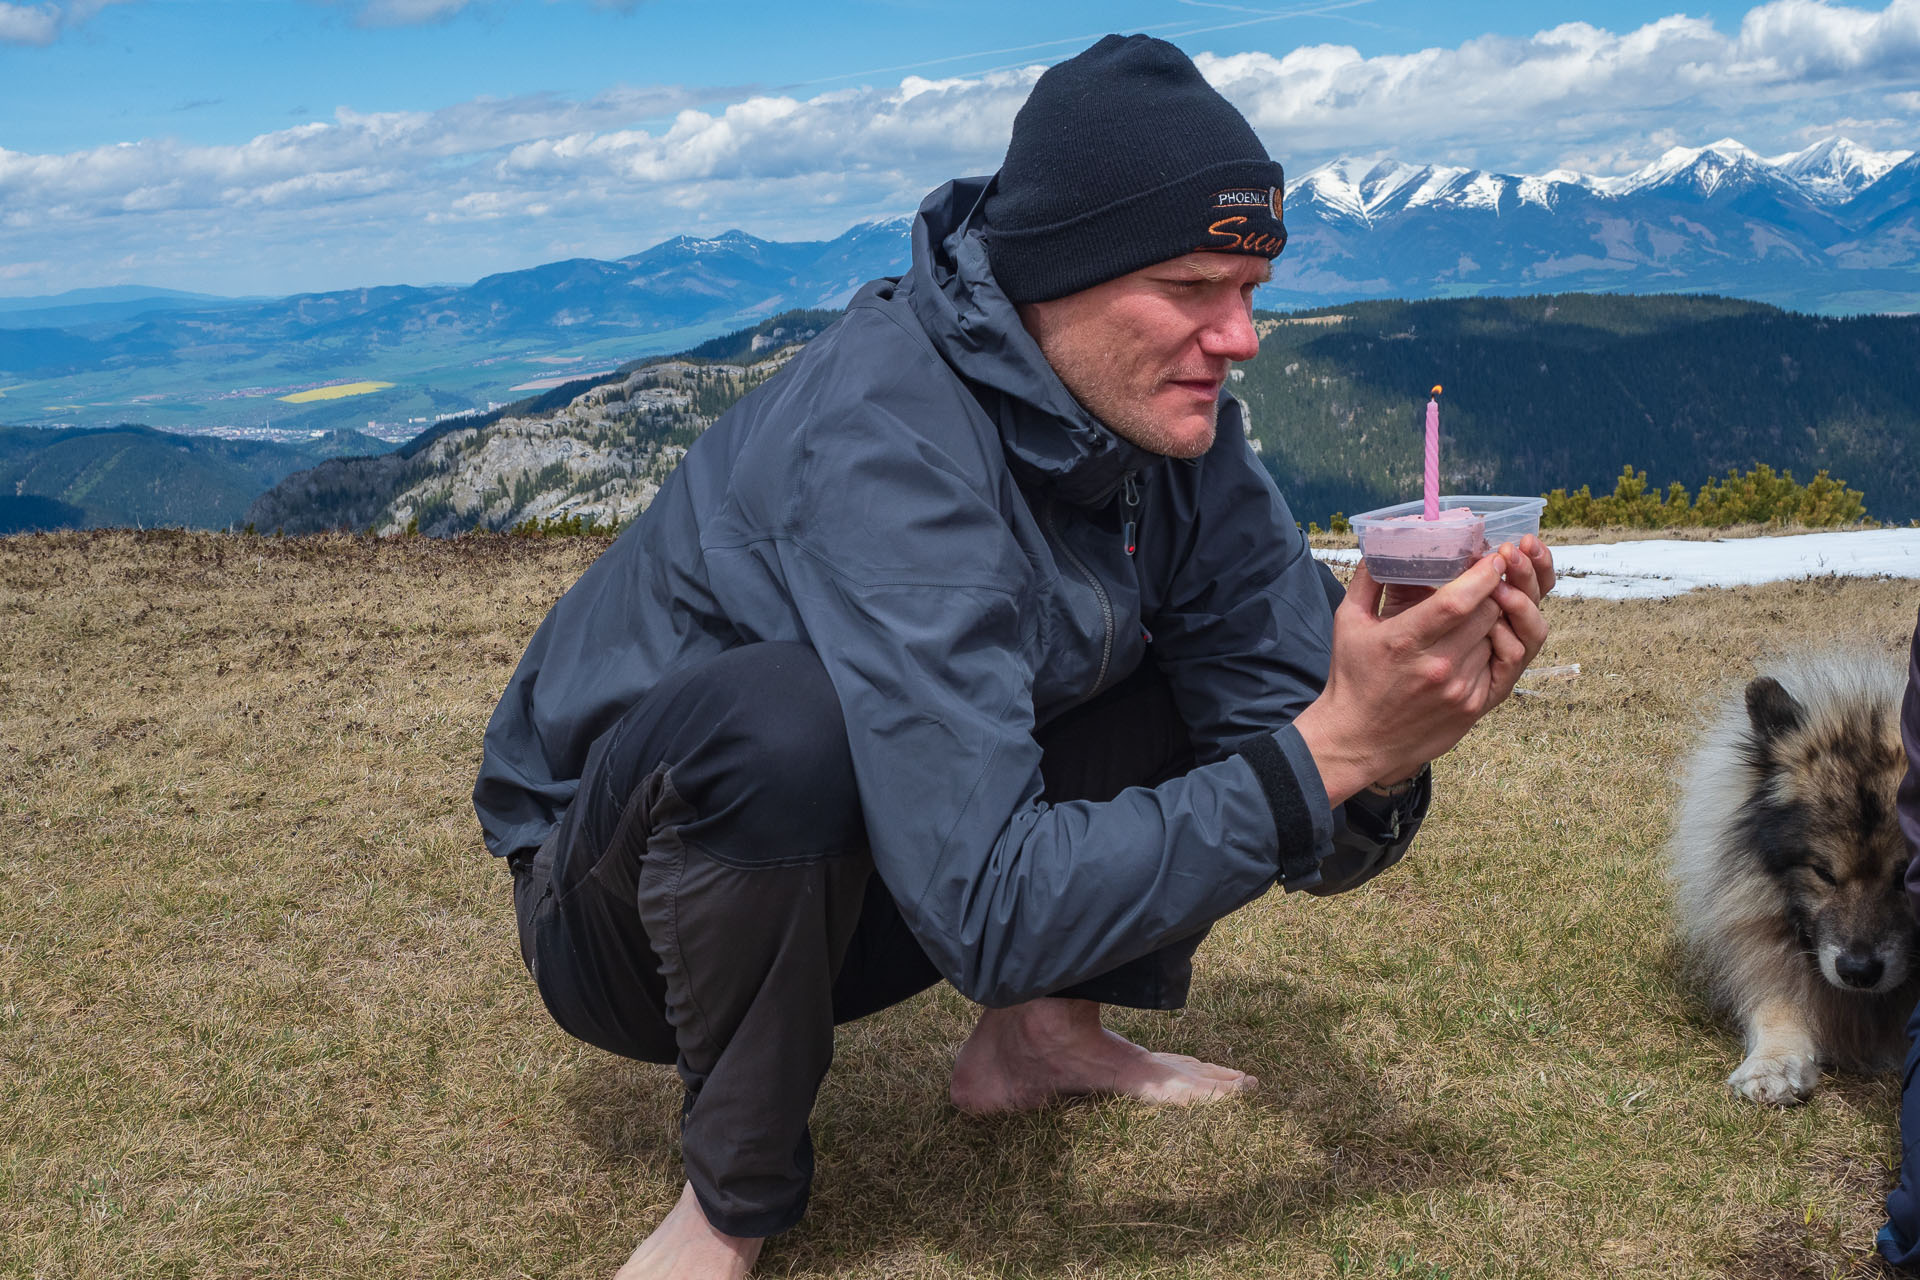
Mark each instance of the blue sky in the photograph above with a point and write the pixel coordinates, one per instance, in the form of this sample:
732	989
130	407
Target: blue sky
274	146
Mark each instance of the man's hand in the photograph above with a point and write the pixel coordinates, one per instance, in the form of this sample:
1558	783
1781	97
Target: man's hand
1414	669
1530	568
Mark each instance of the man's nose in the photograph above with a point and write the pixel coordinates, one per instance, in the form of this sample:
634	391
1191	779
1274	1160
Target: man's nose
1231	334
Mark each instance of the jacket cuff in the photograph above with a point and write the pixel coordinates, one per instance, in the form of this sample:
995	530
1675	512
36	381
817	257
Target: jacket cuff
1302	815
1390	821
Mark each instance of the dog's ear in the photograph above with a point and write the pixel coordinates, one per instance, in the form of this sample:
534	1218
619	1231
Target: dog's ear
1771	709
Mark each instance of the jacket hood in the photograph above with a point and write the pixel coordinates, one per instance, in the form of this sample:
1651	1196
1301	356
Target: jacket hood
1049	437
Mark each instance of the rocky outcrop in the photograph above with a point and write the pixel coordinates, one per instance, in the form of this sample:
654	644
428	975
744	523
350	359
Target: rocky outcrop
601	457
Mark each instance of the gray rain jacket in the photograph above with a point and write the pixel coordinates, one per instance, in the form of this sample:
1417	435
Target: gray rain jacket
918	498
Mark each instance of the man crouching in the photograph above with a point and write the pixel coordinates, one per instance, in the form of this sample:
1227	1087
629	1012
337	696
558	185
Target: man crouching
976	646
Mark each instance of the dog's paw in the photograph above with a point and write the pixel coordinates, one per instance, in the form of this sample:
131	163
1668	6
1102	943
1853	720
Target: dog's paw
1780	1080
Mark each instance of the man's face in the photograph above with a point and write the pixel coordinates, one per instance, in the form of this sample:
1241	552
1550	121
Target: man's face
1147	352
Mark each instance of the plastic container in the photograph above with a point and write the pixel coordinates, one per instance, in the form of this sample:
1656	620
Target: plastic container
1399	546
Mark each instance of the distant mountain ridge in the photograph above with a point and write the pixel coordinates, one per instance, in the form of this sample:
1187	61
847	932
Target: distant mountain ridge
1831	229
679	283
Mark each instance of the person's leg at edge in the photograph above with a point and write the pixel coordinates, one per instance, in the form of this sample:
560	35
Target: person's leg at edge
1899	1239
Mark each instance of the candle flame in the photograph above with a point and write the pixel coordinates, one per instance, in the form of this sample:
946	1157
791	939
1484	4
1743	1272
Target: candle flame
1436	391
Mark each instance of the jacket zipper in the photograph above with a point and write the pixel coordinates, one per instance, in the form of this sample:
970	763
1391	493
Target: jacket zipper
1130	495
1100	593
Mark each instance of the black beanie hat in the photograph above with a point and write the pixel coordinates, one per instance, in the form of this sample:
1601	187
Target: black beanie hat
1124	156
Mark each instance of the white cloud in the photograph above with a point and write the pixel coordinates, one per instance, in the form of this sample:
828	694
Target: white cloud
1487	100
29	23
42	24
403	13
1803	39
633	165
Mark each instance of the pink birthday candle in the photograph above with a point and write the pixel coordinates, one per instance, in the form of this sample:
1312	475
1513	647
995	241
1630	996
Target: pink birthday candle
1432	511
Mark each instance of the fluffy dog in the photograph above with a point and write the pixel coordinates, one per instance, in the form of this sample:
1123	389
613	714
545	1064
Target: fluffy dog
1788	865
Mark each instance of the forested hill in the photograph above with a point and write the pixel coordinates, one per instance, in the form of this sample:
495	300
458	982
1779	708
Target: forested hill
134	475
1559	391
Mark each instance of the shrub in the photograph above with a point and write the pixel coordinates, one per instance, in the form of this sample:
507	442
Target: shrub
575	526
1758	496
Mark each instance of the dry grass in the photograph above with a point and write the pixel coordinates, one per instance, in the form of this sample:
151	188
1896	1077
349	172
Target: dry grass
336	391
261	1010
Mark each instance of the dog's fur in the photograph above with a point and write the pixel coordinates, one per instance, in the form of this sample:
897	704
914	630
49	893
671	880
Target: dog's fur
1787	863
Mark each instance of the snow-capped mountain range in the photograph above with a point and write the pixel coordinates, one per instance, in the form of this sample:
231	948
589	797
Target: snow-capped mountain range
1828	173
1835	227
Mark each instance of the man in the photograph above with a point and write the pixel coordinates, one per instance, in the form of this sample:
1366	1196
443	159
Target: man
975	646
1899	1239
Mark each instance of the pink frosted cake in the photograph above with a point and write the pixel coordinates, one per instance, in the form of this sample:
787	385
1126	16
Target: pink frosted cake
1411	548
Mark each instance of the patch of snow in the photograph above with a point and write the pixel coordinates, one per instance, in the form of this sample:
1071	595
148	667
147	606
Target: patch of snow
1388	179
1657	568
1544	189
1708	166
1835	170
1438	185
1359	187
1332	185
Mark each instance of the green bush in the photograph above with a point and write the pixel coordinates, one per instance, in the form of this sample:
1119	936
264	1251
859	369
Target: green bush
576	526
1759	496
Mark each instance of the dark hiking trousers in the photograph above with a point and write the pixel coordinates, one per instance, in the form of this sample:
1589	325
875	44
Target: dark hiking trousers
708	900
1899	1240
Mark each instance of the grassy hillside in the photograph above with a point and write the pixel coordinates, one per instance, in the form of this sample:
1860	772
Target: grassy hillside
262	1011
1561	391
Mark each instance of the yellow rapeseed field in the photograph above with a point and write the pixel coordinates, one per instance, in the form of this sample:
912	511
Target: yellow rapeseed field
338	391
262	1013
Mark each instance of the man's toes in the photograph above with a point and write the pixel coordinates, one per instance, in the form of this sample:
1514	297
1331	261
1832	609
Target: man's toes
1198	1086
1197	1067
1209	1088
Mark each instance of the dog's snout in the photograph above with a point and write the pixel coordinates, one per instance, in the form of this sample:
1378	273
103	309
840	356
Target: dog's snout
1859	967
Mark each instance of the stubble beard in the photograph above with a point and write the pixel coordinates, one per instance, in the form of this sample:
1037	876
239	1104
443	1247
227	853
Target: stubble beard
1132	420
1130	415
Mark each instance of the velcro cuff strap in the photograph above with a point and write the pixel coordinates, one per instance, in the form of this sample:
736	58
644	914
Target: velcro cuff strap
1292	820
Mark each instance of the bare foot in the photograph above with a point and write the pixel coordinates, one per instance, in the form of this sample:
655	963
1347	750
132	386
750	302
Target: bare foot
685	1246
1022	1058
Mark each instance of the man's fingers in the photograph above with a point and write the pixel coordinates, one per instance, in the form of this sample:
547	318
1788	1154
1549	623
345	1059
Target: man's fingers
1508	650
1520	571
1542	558
1363	592
1398	597
1455	605
1524	616
1510	660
